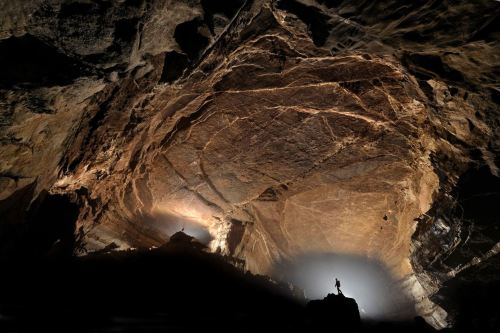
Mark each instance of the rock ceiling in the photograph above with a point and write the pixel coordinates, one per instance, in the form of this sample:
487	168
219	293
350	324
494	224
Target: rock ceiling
270	128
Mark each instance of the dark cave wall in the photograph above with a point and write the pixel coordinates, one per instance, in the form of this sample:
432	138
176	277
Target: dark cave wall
47	226
93	94
456	249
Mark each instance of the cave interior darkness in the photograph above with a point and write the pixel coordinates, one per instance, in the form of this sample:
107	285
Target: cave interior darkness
217	164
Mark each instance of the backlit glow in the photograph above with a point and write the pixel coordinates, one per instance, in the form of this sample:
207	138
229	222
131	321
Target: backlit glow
378	295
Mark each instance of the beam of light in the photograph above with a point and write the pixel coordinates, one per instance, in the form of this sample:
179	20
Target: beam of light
167	224
377	293
185	210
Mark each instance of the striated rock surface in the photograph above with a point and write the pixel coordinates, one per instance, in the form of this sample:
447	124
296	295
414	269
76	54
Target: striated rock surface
267	129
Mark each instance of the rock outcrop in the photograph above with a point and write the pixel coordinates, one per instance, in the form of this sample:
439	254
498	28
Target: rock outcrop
271	128
174	287
336	311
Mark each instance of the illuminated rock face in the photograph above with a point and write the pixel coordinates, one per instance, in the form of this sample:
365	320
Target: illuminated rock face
269	131
292	156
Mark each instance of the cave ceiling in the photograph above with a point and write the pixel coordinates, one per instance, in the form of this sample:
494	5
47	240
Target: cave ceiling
269	129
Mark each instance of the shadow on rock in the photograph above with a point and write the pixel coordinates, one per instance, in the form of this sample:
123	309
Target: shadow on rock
178	287
334	310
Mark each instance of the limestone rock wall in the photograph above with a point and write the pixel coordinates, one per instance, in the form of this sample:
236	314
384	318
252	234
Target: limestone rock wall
268	129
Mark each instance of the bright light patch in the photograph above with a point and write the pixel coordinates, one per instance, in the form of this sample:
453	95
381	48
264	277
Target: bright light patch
378	295
164	223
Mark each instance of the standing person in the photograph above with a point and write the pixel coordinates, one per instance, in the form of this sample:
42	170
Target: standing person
337	285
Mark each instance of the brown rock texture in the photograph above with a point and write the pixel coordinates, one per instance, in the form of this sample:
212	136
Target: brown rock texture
268	129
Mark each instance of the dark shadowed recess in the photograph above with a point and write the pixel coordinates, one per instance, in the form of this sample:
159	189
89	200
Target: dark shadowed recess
43	227
190	40
76	8
459	228
478	207
176	288
468	224
228	8
478	192
28	62
490	29
474	295
316	22
13	210
426	20
412	24
428	66
330	3
377	293
126	30
191	43
173	66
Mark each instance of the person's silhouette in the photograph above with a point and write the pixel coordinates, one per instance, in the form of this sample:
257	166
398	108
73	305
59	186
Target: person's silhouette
337	285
